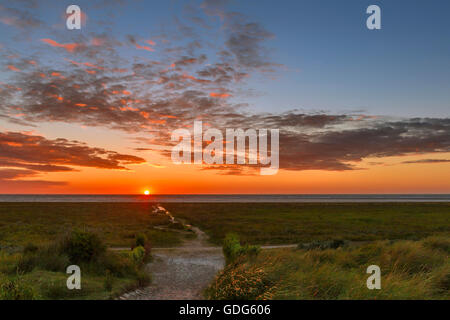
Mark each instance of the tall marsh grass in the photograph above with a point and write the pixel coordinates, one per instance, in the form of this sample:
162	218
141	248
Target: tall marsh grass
409	270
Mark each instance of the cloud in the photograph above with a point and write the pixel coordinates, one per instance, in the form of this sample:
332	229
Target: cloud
188	79
13	68
219	95
134	42
26	155
427	161
18	18
342	149
245	39
70	47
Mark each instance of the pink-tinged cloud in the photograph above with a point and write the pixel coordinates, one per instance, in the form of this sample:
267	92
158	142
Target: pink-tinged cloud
97	41
138	46
219	95
70	47
35	154
86	64
13	68
186	76
150	42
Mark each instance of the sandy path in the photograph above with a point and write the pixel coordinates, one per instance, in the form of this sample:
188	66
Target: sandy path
183	272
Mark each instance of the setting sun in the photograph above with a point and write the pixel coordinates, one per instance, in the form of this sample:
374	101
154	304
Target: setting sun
147	192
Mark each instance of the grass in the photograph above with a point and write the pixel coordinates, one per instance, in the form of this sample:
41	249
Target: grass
40	272
116	223
409	270
30	267
283	223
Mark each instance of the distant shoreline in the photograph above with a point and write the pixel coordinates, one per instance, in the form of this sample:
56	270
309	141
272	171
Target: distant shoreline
210	198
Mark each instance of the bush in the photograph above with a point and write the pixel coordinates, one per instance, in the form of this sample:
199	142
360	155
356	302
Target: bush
138	255
322	245
232	248
140	240
82	246
236	282
16	290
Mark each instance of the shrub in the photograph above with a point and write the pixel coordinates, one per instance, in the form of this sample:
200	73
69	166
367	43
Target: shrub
140	240
322	245
236	282
138	255
16	290
82	246
232	248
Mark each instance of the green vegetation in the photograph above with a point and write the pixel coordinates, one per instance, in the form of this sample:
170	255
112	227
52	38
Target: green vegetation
232	249
409	270
282	223
337	241
116	223
40	272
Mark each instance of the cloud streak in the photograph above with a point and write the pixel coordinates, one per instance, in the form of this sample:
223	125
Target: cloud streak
25	155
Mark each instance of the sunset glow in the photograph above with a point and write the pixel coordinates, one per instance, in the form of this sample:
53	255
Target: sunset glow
93	111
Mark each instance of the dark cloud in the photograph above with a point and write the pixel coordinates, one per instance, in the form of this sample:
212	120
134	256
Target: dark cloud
19	18
245	39
24	155
341	149
427	161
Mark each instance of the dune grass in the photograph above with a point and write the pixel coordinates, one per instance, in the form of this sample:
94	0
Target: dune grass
409	270
116	223
40	272
282	223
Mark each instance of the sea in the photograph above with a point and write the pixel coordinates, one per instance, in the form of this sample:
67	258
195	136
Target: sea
223	198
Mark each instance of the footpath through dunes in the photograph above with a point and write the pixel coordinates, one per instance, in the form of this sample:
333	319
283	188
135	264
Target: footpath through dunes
182	273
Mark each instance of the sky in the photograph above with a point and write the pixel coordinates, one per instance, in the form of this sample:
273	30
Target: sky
93	110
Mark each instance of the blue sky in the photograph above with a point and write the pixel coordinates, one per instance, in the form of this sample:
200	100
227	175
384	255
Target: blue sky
353	106
332	62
